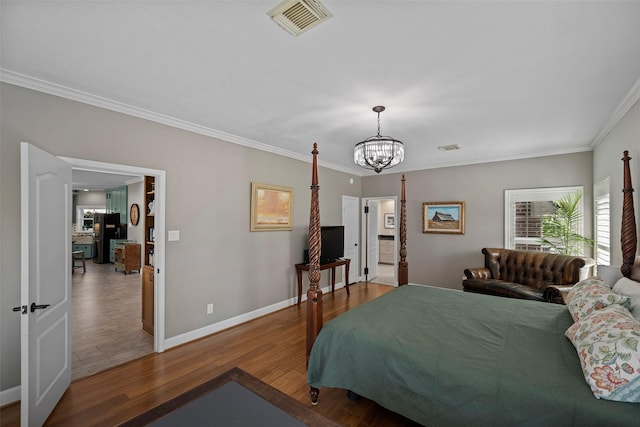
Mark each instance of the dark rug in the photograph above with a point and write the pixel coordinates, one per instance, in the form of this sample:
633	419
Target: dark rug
234	398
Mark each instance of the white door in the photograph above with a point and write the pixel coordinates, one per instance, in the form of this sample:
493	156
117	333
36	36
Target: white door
45	283
350	216
372	239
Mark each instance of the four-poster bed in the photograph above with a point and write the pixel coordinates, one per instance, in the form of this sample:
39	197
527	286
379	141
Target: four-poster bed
443	357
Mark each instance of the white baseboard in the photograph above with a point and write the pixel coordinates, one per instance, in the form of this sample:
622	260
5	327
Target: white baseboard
13	394
234	321
9	396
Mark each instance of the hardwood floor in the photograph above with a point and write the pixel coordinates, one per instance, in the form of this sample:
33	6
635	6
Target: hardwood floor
271	348
107	324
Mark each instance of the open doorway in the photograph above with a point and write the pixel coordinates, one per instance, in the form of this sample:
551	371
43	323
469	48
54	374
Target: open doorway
107	322
380	247
105	302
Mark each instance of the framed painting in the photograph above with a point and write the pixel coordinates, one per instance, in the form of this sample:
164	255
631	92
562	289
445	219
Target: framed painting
271	207
389	220
443	217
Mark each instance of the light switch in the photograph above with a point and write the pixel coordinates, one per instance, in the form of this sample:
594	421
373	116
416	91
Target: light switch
174	235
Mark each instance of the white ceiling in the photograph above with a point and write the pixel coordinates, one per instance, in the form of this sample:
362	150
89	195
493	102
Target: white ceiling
501	79
100	181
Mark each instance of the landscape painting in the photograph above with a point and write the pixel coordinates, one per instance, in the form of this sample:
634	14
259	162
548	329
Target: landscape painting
271	207
443	217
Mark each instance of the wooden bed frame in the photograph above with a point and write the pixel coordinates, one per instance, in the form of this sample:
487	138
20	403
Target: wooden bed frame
630	264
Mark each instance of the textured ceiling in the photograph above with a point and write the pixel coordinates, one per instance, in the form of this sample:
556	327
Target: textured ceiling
503	79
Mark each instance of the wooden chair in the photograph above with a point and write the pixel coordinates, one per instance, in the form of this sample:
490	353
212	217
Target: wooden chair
78	256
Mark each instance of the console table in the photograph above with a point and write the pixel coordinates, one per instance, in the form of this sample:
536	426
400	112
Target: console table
332	265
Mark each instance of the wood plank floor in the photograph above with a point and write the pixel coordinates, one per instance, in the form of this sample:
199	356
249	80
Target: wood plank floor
271	348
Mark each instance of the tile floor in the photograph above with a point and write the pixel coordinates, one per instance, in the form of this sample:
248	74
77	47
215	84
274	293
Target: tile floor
386	275
107	325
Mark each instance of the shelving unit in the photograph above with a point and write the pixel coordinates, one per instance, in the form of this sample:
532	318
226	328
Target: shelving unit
149	248
149	219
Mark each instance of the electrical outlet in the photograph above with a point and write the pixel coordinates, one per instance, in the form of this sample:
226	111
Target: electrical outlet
209	308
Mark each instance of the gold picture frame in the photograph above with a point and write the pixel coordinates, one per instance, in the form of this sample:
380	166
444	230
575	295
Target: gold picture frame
271	207
443	217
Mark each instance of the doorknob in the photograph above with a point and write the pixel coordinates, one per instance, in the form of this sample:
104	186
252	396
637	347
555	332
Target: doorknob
35	307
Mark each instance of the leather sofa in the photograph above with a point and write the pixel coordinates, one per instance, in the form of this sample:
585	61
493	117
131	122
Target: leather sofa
539	276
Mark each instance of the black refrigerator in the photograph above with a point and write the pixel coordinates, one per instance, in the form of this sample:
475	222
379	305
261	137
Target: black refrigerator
105	227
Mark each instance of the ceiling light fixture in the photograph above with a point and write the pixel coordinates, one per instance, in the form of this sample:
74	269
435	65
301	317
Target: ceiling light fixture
378	152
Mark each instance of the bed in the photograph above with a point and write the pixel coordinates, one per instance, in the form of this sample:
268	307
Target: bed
442	357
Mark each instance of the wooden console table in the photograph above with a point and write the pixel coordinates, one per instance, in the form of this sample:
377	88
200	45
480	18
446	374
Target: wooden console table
332	265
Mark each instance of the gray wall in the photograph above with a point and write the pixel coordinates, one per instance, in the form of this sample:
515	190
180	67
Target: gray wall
217	259
481	187
135	233
607	162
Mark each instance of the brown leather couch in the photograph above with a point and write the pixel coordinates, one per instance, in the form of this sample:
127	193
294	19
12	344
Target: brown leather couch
539	276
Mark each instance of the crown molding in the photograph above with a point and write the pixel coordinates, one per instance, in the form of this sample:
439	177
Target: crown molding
623	108
44	86
108	104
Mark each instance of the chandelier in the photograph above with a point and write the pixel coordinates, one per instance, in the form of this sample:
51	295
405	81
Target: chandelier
378	152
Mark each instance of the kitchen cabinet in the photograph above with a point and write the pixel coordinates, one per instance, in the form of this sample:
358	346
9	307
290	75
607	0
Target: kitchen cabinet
87	248
116	202
112	248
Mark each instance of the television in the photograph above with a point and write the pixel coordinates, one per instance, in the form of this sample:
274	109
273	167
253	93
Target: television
332	239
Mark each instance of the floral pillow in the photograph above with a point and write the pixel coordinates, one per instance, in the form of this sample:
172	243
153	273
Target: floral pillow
590	295
608	345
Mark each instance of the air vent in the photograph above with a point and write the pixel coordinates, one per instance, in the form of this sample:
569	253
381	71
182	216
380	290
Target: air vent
298	16
449	147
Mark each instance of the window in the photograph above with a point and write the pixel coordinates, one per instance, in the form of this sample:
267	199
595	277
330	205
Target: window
602	222
84	217
524	210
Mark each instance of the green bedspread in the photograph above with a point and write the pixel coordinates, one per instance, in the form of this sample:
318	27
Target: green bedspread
447	358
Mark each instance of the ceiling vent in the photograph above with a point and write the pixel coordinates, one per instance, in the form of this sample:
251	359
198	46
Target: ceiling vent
298	16
449	147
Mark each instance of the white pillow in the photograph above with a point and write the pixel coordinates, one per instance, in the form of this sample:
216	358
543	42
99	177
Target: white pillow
630	288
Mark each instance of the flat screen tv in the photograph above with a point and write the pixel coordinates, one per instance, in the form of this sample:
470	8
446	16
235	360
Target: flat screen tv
332	239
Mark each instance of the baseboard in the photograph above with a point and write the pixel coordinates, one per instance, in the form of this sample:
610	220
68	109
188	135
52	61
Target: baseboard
237	320
13	394
10	396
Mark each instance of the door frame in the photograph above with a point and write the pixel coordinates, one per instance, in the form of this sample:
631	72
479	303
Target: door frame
364	248
159	248
355	267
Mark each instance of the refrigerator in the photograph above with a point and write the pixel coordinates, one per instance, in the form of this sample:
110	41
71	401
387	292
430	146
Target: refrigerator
105	227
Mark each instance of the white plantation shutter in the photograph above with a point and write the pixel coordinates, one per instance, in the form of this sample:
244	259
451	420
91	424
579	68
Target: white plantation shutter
602	222
523	211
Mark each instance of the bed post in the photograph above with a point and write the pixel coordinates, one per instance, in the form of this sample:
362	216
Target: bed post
628	237
314	294
403	266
